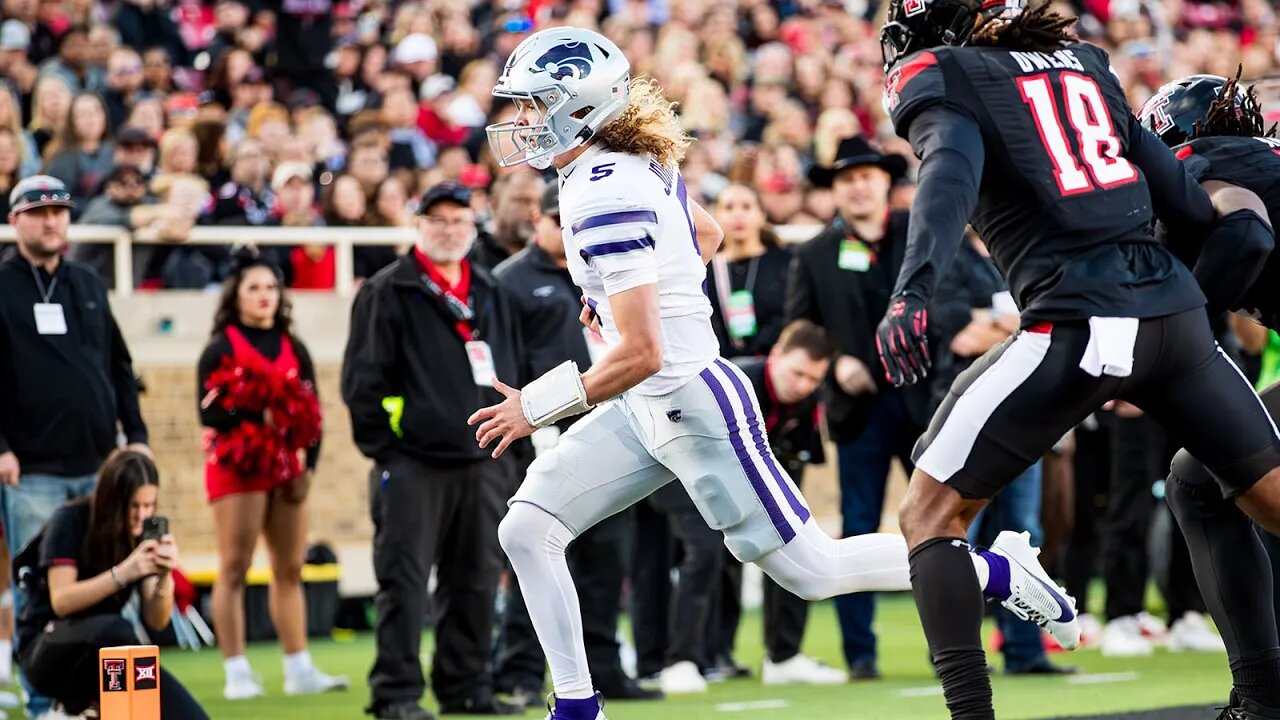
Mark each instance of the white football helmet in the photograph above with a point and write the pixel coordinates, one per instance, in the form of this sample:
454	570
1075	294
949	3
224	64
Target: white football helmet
575	80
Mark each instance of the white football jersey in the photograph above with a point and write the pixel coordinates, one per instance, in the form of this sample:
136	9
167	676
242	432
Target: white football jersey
627	223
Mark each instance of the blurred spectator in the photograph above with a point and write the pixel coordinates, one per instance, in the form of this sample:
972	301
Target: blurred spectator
212	149
157	70
123	82
148	113
786	383
303	36
245	199
10	165
841	281
11	120
146	23
50	106
135	148
512	228
748	278
347	205
179	152
391	204
72	63
15	64
368	164
412	375
268	124
81	155
410	148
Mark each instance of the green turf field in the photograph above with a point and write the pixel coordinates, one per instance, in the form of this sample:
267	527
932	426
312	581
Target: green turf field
908	690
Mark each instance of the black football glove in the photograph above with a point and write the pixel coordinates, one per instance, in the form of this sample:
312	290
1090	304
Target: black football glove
902	342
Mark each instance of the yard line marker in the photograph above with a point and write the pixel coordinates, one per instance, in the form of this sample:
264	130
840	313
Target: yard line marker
1102	678
921	691
753	705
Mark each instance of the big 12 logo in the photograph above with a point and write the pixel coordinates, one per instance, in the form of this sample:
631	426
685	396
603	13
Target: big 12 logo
113	675
145	673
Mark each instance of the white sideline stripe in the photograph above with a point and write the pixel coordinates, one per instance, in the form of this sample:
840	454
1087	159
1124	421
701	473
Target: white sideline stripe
921	691
1102	678
753	705
949	450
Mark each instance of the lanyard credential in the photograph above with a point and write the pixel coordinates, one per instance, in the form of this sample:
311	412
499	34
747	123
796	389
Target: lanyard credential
44	294
461	311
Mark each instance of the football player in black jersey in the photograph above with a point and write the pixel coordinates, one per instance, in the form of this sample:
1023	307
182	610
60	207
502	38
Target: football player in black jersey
1218	131
1027	134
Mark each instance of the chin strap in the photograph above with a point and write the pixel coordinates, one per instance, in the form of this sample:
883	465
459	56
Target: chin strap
556	395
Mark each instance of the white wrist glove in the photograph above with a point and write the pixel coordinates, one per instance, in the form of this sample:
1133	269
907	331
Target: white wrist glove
556	395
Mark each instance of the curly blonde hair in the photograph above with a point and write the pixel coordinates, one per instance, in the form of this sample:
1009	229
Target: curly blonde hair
648	125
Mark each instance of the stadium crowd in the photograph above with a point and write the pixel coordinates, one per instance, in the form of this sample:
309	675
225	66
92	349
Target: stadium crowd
161	115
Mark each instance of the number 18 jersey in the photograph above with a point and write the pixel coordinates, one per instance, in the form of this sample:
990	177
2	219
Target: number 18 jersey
1063	207
626	223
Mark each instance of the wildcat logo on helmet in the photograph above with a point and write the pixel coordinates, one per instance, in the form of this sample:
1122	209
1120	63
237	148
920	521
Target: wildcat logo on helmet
568	60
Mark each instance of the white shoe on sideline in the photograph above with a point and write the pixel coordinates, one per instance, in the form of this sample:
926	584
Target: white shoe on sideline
1123	637
1191	632
801	669
243	688
1090	630
682	678
1034	595
9	701
1153	628
313	682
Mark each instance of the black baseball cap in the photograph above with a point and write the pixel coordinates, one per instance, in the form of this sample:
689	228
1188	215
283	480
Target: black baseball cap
444	192
550	204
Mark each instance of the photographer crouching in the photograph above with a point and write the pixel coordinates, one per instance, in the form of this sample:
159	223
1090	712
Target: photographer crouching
81	569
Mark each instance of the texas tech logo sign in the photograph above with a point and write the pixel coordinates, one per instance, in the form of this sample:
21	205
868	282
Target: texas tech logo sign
113	675
145	673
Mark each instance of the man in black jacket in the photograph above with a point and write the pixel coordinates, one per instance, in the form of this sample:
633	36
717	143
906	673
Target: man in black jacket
786	383
66	379
840	280
429	335
547	304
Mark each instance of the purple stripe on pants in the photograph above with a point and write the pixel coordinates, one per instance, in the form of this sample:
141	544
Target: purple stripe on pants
757	434
753	475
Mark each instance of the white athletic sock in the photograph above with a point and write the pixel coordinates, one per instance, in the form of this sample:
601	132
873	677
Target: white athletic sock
815	566
296	664
6	662
983	570
535	541
237	668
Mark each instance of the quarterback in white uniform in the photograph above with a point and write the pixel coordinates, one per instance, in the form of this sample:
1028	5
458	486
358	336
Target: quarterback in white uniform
663	405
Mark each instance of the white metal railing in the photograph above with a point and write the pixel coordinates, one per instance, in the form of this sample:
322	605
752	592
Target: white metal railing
343	239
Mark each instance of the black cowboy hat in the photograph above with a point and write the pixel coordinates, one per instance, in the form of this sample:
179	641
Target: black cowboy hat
853	152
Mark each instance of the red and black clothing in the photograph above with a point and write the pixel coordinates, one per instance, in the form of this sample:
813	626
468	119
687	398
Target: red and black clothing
245	344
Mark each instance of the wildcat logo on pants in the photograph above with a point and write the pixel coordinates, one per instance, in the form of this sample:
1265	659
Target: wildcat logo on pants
113	675
144	673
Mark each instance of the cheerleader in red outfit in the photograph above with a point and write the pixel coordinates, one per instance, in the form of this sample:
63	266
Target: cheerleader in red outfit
255	481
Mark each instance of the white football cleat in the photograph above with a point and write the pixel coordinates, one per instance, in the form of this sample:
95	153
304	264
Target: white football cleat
682	678
1034	595
801	669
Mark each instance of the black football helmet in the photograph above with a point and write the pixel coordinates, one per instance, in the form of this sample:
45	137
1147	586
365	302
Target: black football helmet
919	24
1174	110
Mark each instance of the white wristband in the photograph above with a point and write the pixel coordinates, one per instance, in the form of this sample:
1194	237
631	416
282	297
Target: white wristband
556	395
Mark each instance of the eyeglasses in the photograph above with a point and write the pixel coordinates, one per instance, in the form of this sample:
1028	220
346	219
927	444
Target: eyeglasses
436	221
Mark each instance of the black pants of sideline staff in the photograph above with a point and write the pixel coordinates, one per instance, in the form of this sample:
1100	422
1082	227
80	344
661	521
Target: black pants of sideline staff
62	663
447	517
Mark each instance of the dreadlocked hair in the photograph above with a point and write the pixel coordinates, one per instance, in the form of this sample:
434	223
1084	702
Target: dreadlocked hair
1036	29
648	125
1226	118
